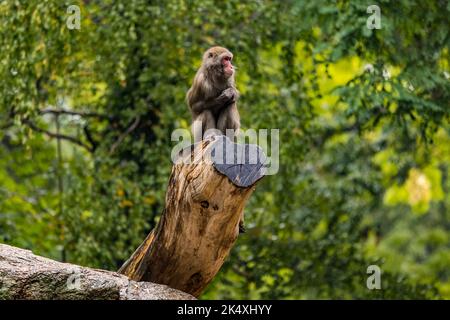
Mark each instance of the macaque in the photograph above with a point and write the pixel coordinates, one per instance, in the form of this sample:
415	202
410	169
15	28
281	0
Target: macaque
213	95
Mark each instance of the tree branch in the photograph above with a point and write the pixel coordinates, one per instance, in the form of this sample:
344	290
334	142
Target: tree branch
84	114
89	137
50	134
130	129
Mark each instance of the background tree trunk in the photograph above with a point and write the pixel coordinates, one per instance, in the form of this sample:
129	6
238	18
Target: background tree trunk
200	223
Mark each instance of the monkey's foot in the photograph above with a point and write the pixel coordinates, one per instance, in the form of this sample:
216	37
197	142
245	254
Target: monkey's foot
211	135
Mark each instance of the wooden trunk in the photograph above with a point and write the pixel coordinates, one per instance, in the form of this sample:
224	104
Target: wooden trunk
204	205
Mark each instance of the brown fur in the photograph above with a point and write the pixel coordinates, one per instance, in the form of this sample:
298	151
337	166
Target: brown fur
213	95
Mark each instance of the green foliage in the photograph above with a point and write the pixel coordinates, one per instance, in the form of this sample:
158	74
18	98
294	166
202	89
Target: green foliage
364	136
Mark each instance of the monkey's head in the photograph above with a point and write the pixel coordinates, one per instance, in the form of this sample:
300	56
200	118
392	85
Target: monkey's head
218	60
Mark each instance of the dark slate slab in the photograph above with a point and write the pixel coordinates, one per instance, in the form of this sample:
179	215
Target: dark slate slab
243	164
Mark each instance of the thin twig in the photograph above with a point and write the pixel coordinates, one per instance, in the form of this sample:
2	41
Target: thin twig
89	137
124	135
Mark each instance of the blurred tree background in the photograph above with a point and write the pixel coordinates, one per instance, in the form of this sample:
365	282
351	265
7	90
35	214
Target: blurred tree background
86	118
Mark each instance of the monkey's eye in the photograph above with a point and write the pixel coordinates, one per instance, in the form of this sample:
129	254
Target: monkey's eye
210	55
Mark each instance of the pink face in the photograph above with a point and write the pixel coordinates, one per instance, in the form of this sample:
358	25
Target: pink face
219	56
227	66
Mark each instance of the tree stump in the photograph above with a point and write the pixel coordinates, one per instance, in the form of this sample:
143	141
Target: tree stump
205	200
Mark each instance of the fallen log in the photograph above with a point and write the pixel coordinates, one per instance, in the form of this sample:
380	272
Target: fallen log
24	275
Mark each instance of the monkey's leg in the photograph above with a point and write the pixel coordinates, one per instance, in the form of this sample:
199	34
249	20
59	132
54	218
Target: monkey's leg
229	119
203	122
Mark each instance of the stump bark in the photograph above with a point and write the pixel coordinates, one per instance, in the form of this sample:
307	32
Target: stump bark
205	200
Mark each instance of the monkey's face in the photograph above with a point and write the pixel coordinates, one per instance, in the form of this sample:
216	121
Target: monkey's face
219	59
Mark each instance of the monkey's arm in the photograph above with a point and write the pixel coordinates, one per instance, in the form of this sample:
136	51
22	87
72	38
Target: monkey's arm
226	98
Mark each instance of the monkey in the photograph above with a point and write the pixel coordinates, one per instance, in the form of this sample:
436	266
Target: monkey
213	95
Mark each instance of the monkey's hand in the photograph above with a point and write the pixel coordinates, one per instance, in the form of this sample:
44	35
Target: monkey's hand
225	99
228	96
